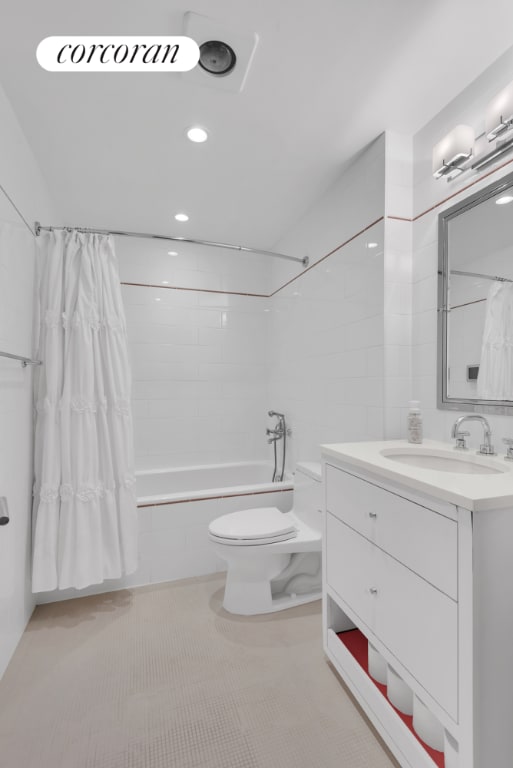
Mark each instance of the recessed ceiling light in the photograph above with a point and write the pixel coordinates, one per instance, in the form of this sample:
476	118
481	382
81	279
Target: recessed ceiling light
157	299
181	217
197	135
371	245
504	199
165	282
172	253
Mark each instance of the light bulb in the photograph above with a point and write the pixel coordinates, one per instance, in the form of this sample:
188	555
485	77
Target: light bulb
197	135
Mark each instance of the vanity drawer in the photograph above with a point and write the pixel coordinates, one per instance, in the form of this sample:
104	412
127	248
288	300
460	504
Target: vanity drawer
414	620
424	540
350	568
419	625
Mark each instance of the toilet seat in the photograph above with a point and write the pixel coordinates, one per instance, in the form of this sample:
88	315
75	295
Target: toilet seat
264	525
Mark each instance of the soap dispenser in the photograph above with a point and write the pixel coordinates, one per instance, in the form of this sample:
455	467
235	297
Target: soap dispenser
414	422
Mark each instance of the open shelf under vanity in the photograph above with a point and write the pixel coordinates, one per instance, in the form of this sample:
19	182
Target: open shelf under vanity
351	650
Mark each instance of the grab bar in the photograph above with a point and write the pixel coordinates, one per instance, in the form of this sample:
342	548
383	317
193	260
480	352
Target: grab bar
23	360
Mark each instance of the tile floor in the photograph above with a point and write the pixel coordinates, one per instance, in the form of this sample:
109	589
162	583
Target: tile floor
163	677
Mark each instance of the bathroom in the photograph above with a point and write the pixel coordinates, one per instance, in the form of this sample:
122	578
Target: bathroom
308	159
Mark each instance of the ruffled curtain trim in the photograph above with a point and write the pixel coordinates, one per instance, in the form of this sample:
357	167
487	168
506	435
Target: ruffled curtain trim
80	404
84	493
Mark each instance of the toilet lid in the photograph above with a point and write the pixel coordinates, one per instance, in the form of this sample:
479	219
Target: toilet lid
250	542
253	525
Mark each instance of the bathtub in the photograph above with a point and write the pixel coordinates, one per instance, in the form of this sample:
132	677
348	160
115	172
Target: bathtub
175	508
177	505
156	487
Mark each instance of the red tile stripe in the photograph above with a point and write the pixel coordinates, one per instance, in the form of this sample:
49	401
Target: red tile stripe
266	295
209	498
197	290
323	258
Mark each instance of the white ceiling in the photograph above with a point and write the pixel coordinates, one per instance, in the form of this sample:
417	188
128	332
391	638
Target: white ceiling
328	76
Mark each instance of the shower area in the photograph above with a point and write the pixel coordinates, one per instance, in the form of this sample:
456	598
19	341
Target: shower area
205	441
198	329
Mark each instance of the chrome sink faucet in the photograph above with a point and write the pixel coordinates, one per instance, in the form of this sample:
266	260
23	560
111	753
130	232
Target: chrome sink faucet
486	448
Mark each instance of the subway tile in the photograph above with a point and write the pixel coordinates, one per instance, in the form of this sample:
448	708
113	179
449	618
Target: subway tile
228	372
424	330
425	294
398	298
397	391
375	423
425	262
398	330
394	424
424	359
425	232
138	297
424	389
397	361
154	333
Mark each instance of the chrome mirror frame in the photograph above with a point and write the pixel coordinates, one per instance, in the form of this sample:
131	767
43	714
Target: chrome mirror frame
444	402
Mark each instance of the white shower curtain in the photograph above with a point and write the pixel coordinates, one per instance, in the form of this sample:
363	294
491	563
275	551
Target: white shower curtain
495	378
85	514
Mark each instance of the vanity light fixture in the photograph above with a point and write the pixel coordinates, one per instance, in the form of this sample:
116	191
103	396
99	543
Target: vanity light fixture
501	148
499	114
452	151
181	217
504	200
197	135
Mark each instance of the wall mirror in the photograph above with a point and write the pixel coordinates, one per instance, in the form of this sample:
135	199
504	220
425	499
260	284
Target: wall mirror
475	302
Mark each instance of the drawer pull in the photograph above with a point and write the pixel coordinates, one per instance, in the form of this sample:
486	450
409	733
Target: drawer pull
373	514
373	590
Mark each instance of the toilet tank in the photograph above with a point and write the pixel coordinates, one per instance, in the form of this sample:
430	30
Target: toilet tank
308	494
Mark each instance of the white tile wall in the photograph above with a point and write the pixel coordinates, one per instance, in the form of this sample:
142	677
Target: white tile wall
468	108
21	179
16	270
199	364
397	285
193	266
326	327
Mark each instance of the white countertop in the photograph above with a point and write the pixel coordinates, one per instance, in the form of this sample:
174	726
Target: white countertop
472	491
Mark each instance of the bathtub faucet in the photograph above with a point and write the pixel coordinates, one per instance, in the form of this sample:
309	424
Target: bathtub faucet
279	432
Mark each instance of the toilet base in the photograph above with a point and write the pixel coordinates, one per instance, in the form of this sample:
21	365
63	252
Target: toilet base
254	598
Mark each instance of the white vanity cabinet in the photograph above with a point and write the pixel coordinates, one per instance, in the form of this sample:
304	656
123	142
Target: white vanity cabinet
430	584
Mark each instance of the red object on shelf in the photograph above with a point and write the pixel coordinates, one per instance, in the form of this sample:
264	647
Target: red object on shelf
357	645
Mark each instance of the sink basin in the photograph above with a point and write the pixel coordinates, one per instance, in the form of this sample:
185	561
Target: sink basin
444	461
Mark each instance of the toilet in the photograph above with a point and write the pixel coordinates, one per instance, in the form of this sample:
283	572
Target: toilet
273	558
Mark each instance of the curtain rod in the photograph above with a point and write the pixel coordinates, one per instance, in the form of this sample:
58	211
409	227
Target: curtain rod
484	277
23	360
38	228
